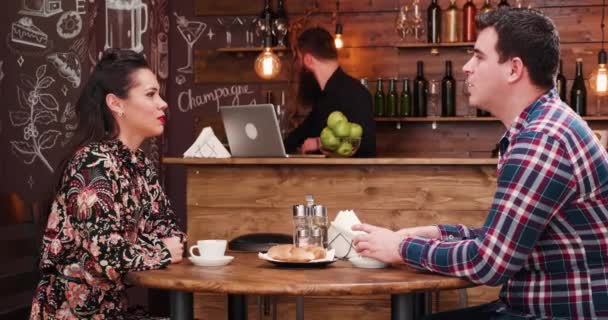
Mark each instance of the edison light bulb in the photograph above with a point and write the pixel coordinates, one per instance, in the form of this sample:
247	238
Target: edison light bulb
599	77
338	41
338	38
267	65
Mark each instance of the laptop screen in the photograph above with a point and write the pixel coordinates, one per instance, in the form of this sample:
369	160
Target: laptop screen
252	131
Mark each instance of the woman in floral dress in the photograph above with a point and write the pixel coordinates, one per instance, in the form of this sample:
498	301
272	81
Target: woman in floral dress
110	215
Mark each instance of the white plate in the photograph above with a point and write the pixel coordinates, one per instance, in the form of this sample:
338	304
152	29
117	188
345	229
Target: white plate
211	262
367	263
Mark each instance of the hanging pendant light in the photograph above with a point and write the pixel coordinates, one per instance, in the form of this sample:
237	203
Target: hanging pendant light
599	77
267	65
338	42
338	38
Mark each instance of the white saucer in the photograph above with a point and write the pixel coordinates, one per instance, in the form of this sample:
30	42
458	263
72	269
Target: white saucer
367	263
211	262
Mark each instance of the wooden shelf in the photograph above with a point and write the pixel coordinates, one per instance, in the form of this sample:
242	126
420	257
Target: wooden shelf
431	119
461	119
596	118
249	49
435	45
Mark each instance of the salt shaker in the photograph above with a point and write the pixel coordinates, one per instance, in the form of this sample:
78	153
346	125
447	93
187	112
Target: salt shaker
303	237
316	237
299	221
320	222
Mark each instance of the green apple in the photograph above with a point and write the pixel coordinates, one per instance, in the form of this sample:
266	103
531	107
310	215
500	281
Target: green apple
334	118
328	140
345	148
356	131
326	132
342	129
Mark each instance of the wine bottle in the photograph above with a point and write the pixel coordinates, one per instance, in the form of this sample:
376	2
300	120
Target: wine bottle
379	100
405	100
560	82
450	25
420	89
468	21
487	7
503	3
448	92
578	94
391	99
434	22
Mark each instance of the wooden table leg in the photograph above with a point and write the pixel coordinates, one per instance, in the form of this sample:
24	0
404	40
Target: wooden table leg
237	307
181	305
299	308
402	306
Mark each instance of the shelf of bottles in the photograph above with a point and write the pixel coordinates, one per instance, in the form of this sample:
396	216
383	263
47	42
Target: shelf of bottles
268	23
462	119
250	49
435	45
433	119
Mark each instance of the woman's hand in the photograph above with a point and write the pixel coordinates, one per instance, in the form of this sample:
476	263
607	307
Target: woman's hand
176	248
379	243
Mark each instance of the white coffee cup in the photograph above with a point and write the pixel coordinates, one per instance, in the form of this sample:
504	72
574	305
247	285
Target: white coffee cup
209	248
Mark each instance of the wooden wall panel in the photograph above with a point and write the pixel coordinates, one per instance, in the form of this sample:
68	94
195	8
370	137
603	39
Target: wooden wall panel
226	202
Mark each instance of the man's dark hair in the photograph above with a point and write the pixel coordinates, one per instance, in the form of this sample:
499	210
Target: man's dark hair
529	35
318	42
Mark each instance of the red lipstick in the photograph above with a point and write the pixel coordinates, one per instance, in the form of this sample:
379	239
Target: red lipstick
162	119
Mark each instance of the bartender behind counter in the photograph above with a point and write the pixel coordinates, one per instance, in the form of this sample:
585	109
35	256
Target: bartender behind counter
327	88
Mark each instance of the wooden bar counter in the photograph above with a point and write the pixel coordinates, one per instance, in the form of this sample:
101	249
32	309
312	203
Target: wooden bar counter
230	197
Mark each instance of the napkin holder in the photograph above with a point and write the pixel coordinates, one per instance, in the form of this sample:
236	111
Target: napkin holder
207	145
340	235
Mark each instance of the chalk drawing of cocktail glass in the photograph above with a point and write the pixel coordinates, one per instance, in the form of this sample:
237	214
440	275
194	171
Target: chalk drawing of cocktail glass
190	31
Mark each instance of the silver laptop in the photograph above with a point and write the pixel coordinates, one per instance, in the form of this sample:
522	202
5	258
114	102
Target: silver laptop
253	131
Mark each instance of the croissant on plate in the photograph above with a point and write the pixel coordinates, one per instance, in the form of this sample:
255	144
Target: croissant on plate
287	252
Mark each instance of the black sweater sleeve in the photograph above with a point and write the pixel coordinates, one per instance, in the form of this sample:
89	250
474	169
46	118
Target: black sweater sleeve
296	137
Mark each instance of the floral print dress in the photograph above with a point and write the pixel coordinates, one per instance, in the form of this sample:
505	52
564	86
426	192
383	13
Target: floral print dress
107	219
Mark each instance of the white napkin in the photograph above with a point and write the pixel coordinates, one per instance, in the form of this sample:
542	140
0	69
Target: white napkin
341	235
207	145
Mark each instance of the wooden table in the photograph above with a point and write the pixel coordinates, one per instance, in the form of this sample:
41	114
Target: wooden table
249	275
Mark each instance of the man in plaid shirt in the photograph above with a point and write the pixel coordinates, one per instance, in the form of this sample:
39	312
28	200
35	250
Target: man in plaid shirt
545	239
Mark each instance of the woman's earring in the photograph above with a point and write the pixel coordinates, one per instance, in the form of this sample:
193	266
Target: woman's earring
121	114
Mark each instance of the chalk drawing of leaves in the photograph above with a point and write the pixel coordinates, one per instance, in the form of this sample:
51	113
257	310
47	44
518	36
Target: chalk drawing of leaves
45	82
24	149
41	71
22	98
45	117
48	139
19	118
28	81
49	102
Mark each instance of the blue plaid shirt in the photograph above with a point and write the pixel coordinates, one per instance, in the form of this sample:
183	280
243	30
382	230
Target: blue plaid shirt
545	239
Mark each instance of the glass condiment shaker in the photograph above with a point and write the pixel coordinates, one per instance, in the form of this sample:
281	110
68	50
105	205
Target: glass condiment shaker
320	221
316	238
303	237
299	221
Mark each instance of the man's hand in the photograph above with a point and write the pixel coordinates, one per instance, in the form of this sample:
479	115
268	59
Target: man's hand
310	145
378	243
176	248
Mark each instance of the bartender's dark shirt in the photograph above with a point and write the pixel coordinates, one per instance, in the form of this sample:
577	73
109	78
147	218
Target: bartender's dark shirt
342	93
